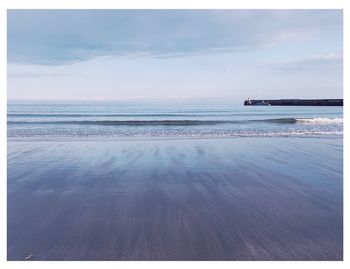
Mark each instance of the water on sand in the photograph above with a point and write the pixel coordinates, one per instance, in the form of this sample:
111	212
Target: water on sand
199	199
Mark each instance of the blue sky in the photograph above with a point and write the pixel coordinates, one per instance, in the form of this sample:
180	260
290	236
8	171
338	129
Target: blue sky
181	56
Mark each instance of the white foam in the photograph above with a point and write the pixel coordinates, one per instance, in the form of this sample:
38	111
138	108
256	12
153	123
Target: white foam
320	121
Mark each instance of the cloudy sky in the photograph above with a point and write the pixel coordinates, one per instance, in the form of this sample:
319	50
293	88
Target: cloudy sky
192	56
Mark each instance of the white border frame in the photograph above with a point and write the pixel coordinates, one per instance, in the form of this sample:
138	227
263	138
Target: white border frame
162	4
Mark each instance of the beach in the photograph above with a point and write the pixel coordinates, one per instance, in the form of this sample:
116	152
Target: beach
261	198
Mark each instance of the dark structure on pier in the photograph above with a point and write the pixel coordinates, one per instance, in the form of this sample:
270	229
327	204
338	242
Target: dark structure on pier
295	102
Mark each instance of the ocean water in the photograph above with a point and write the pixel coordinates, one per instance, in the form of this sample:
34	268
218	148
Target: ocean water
108	121
78	190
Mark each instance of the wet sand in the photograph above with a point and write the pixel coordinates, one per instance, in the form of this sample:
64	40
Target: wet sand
208	199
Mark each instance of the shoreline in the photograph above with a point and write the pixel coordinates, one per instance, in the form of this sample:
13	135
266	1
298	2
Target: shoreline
162	138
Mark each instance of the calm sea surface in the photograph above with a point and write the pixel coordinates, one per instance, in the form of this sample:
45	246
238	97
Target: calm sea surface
102	121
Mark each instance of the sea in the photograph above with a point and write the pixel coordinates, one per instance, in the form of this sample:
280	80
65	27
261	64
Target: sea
174	182
105	121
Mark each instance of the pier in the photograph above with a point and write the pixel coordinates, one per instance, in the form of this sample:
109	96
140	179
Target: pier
295	102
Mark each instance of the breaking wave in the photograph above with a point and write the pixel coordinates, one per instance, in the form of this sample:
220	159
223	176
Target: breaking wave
320	120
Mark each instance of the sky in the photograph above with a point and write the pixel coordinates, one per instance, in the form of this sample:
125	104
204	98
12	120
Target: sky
174	56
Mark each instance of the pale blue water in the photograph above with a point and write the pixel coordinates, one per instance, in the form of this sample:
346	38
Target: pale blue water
108	121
